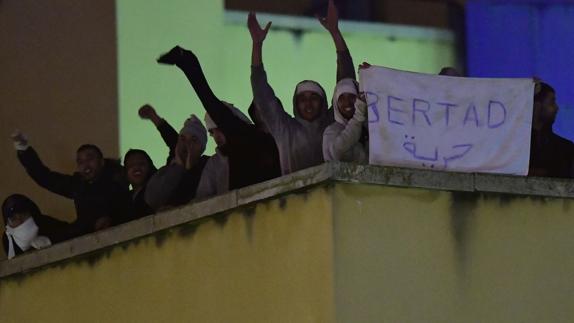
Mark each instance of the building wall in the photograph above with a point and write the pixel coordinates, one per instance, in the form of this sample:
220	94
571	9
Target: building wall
58	84
223	46
333	252
414	255
76	72
271	262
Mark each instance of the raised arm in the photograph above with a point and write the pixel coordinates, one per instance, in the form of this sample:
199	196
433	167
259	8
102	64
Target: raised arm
167	132
54	182
257	36
217	110
268	107
345	66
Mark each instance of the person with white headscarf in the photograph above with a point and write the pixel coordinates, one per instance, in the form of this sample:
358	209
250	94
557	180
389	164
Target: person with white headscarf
347	138
299	137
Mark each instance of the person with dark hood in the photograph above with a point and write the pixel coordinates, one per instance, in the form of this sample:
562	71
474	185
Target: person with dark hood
251	158
97	187
176	183
139	169
27	228
550	154
299	138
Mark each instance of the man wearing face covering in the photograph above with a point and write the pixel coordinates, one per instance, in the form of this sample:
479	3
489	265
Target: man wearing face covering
300	138
346	139
26	227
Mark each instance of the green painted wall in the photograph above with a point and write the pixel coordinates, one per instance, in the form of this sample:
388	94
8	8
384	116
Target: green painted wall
148	28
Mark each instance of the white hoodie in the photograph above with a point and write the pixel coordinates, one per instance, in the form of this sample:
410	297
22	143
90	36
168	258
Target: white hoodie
341	138
298	140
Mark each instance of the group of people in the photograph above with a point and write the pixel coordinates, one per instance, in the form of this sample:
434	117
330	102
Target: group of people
250	150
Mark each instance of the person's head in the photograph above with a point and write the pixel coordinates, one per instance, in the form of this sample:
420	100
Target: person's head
450	71
545	107
344	98
216	133
309	101
192	138
139	167
17	209
89	161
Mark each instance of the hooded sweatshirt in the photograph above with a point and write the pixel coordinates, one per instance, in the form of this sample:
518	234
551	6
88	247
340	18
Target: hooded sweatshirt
215	177
252	155
344	139
298	140
173	184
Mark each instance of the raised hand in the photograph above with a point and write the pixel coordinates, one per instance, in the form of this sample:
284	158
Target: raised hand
331	22
174	56
147	112
19	139
257	34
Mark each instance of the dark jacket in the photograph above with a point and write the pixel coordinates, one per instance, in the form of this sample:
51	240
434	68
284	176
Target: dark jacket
550	155
106	196
138	205
253	155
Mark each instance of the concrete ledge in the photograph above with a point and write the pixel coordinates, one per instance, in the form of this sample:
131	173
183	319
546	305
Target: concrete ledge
404	177
322	174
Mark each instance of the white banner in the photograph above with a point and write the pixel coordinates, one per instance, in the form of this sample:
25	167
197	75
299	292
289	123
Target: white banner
448	123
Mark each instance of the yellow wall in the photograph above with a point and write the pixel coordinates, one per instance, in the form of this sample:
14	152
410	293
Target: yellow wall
414	255
333	253
268	264
58	85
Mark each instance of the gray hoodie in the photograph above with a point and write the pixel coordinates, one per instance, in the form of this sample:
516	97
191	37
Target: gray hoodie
341	140
299	141
215	177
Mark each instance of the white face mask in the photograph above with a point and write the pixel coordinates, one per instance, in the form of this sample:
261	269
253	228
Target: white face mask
22	235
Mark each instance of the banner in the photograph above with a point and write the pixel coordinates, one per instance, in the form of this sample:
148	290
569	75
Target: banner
448	123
